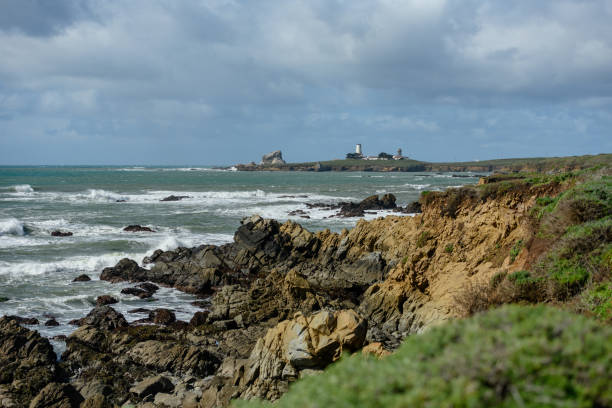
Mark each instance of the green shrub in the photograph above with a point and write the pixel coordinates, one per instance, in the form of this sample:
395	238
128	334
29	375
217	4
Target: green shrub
599	301
449	249
516	250
497	278
422	239
522	278
514	356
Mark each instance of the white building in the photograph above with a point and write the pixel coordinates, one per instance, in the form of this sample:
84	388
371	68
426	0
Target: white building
358	148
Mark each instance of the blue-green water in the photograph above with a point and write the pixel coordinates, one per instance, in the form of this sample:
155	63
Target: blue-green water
95	203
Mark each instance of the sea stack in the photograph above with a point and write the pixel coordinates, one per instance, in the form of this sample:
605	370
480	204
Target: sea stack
275	157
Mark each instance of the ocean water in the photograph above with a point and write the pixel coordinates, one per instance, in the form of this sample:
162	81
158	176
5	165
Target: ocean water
96	203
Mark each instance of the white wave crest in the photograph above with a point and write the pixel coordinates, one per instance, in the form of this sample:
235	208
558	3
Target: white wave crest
11	226
103	195
23	188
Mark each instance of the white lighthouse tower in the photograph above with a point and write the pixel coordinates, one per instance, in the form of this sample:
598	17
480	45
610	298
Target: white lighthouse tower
358	148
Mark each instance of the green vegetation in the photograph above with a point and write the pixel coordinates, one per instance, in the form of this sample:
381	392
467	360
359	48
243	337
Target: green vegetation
515	356
422	239
516	250
449	248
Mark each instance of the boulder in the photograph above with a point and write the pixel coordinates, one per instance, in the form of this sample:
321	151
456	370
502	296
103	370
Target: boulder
199	318
137	228
104	317
173	198
58	233
56	395
162	316
106	300
275	157
141	293
82	278
301	343
152	386
51	323
125	270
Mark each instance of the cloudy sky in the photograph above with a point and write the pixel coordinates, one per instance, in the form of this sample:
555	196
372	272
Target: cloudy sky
223	81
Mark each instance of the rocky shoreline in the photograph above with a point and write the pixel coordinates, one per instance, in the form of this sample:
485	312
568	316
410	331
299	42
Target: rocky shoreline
281	303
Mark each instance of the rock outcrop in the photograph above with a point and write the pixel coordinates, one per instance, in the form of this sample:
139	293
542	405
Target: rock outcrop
27	364
275	157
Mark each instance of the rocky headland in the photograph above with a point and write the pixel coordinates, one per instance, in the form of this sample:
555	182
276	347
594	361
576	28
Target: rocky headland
281	303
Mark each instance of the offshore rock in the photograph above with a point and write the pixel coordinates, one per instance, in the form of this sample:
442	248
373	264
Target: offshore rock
104	317
275	157
27	364
137	228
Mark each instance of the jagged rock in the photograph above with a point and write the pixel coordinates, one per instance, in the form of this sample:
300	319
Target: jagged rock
104	317
125	270
151	386
275	157
298	344
141	293
106	300
57	395
27	363
375	349
149	287
173	198
51	323
30	321
162	316
96	401
58	233
138	228
82	278
199	318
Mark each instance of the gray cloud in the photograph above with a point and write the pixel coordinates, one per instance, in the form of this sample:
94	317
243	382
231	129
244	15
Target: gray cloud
276	72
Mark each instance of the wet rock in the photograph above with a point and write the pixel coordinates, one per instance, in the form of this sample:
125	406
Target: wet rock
125	270
152	386
139	310
173	198
199	318
106	300
141	293
27	363
51	323
3	299
162	316
56	395
58	233
82	278
137	228
149	287
104	317
24	320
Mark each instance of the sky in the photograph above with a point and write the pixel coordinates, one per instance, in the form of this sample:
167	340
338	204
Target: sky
170	82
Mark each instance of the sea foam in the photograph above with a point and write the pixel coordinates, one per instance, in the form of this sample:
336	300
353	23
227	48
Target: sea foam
11	226
23	188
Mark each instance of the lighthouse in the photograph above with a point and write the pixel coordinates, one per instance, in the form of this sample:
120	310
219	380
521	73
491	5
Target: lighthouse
358	148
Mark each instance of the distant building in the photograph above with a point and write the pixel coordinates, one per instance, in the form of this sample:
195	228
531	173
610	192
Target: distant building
358	153
358	149
399	156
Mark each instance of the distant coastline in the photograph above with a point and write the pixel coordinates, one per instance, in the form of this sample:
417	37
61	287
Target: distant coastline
536	164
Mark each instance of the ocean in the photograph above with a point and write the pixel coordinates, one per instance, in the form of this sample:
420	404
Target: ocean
96	203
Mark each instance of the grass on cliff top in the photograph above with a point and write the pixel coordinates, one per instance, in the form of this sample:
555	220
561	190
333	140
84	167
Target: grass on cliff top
515	356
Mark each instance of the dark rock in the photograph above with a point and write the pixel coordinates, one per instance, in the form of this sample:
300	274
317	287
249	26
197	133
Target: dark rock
3	299
56	395
75	322
413	208
27	363
137	228
58	233
139	310
104	317
59	337
204	304
125	270
173	198
120	201
141	293
199	318
106	300
162	316
82	278
149	287
151	259
152	386
24	320
51	323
